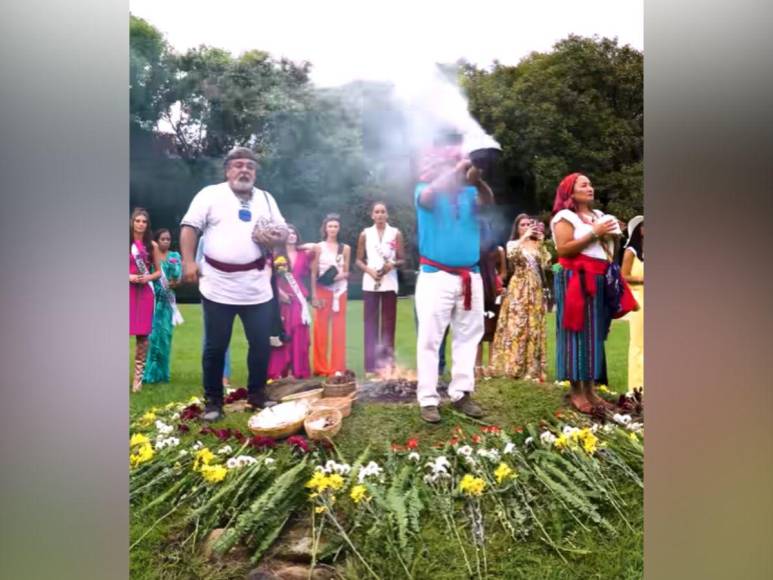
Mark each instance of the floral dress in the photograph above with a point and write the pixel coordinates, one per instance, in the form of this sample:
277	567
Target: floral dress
157	368
520	341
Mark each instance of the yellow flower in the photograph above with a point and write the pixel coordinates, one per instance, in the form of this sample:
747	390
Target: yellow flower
603	389
561	442
141	454
202	458
503	471
335	482
318	482
138	439
590	443
213	473
358	493
147	418
632	436
320	509
471	485
565	384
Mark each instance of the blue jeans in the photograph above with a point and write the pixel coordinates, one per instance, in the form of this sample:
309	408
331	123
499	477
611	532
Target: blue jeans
218	324
227	365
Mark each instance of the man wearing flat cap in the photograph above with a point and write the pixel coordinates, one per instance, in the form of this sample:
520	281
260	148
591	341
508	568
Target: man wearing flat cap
240	224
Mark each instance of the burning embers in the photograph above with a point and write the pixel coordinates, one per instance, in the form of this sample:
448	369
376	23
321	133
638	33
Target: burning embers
395	386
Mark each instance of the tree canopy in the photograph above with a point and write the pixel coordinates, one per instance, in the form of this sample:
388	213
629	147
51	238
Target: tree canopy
578	107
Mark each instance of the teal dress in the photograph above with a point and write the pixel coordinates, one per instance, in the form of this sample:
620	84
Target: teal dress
157	368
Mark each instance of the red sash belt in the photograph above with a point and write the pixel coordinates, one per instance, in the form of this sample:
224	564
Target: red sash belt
260	263
463	271
574	301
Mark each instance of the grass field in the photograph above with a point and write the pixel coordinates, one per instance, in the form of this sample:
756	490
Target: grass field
508	404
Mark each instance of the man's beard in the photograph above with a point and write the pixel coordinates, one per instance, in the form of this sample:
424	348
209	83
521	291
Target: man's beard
242	186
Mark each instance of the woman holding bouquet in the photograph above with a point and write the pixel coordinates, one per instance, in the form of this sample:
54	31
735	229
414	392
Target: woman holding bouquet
165	315
292	267
589	289
329	274
143	257
379	254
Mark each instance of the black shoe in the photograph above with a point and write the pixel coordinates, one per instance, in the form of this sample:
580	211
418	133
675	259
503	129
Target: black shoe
469	407
212	413
430	414
256	402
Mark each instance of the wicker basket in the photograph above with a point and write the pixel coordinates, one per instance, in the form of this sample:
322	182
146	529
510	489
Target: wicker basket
343	404
279	432
333	415
338	390
283	430
310	396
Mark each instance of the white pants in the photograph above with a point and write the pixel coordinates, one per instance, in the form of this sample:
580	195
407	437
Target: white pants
439	301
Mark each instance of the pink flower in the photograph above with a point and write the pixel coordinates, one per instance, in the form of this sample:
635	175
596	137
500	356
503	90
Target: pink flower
183	428
190	412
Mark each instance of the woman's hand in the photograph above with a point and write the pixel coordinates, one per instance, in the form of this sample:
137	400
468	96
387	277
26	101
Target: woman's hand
373	274
134	279
317	303
387	267
341	276
283	297
604	227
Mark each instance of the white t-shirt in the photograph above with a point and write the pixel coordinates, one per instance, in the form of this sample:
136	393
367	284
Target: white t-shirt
215	212
375	253
593	250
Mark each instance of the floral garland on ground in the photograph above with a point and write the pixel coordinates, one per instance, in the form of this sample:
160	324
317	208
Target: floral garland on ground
249	486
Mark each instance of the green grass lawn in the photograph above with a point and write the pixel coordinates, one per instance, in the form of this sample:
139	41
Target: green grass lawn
508	404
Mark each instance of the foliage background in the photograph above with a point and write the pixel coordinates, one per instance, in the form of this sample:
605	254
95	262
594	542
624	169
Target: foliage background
578	107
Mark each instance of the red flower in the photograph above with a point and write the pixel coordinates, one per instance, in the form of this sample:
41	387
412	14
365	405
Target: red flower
453	440
207	430
299	443
223	434
493	429
183	428
412	443
262	442
190	412
239	436
397	448
558	414
476	438
237	395
519	429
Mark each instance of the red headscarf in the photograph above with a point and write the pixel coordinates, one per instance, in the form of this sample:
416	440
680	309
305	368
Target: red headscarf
564	193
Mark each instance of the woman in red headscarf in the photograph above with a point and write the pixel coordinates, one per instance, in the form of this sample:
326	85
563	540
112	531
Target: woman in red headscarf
589	289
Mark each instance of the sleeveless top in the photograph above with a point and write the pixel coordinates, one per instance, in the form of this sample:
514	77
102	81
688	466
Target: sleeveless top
376	253
327	259
593	250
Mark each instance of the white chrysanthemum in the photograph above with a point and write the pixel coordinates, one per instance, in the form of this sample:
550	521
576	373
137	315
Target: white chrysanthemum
413	456
510	447
198	445
621	419
490	454
339	468
232	463
269	461
225	450
370	470
547	438
635	427
529	441
569	431
464	450
608	428
163	428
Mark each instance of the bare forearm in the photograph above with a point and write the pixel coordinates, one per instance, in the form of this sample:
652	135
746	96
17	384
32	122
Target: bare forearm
188	239
485	193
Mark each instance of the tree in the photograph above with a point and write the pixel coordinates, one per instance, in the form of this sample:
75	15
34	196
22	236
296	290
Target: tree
149	76
577	108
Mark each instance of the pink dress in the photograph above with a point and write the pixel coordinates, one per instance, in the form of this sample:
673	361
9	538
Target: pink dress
293	355
141	300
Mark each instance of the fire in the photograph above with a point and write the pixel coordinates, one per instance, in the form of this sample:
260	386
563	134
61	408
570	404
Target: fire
395	373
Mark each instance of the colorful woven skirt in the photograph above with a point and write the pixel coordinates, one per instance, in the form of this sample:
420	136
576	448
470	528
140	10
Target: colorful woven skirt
580	355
